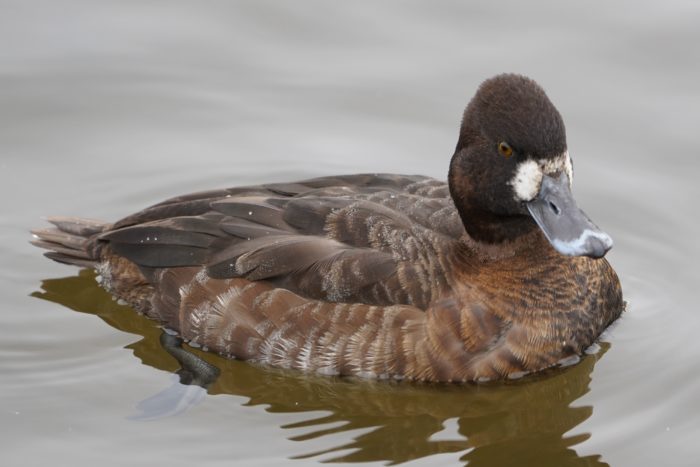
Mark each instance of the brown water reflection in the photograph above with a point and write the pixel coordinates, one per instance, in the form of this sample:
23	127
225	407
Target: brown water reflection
522	423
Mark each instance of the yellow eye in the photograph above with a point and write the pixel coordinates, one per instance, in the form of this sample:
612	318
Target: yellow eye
505	149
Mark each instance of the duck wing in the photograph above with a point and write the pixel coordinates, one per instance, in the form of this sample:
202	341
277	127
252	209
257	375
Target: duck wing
375	239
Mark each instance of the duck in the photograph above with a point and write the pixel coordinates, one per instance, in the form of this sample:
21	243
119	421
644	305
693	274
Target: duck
493	274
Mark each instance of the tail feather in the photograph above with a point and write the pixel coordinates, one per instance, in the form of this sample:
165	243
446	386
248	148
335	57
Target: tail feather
71	260
71	241
55	236
59	248
78	225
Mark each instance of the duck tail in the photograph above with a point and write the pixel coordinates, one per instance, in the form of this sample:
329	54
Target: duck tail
71	241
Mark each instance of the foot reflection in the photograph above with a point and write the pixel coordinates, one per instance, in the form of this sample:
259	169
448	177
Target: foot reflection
189	386
520	423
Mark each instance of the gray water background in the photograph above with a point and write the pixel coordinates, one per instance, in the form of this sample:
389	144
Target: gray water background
107	107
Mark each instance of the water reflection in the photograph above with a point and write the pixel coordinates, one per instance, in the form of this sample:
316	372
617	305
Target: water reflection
523	423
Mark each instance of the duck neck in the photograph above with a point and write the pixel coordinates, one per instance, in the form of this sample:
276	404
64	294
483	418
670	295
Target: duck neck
492	229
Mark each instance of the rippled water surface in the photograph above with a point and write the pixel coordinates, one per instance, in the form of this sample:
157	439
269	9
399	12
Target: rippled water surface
106	107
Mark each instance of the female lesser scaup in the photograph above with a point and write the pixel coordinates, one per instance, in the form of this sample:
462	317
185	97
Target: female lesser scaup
494	274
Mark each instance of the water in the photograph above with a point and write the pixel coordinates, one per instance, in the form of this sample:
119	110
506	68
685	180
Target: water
106	107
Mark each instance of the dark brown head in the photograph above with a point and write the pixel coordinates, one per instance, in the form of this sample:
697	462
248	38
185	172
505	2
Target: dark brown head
511	171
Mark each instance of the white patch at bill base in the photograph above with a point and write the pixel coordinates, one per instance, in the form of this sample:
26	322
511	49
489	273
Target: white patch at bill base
528	176
527	180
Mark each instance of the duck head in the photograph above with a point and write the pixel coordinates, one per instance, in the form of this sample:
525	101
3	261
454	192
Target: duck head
511	172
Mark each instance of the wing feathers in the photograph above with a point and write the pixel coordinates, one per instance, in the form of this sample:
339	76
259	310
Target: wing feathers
255	209
343	239
158	235
310	215
248	230
161	256
267	257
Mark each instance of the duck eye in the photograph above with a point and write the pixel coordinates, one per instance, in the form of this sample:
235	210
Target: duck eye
505	149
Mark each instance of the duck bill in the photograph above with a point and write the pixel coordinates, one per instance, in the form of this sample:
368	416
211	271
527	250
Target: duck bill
567	228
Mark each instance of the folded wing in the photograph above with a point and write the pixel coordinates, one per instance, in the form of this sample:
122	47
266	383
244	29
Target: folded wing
379	239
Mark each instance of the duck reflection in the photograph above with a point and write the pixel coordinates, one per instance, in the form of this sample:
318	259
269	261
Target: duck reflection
519	423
